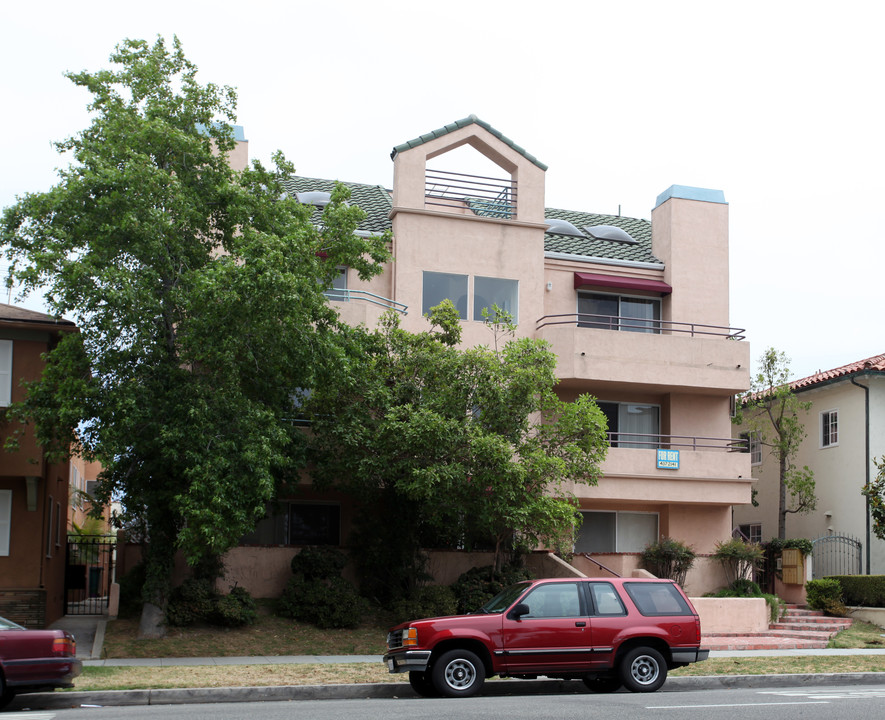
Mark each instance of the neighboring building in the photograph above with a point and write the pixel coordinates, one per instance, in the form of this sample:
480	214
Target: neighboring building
33	492
636	311
845	431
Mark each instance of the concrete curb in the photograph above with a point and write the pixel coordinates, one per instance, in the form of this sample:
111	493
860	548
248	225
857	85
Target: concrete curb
185	696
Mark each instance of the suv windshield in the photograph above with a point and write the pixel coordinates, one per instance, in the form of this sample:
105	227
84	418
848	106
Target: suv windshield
504	599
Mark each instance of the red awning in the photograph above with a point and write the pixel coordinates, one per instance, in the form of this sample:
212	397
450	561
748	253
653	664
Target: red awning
622	283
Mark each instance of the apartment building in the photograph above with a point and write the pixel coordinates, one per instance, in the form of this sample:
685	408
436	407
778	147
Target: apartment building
636	310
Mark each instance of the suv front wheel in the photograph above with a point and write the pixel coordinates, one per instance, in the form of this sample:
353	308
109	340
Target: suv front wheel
458	673
643	669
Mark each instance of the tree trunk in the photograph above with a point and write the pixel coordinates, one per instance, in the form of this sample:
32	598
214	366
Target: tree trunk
782	500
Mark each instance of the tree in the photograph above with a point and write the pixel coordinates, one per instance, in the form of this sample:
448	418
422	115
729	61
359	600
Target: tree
198	293
459	446
874	491
771	413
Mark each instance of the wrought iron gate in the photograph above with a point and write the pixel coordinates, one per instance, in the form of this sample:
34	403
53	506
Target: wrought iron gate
89	573
836	555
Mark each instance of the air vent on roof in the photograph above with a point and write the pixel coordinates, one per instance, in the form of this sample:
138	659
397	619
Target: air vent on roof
558	226
610	232
316	198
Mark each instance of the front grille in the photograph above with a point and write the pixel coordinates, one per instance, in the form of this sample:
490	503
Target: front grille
394	639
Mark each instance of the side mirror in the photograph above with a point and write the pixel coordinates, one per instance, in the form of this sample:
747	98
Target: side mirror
518	611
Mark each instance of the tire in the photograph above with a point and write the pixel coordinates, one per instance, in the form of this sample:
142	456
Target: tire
458	673
607	684
6	694
643	669
422	684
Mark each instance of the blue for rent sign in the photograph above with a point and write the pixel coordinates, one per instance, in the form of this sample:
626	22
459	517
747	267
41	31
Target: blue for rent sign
668	459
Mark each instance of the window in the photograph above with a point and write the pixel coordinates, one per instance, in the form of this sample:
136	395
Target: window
338	291
314	524
631	425
617	312
829	428
554	600
5	373
609	532
49	528
753	532
657	599
442	286
606	599
488	292
5	520
754	447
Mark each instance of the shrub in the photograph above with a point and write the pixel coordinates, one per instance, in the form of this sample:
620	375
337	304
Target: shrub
865	590
235	609
478	585
427	601
318	563
329	603
668	558
131	585
738	558
196	601
826	595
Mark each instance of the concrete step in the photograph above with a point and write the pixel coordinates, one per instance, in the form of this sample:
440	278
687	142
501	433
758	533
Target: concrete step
760	642
828	627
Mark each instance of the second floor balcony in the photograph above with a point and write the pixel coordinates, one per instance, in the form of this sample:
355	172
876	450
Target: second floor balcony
660	355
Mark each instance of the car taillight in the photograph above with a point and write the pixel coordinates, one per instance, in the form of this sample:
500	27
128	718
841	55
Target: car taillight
64	646
410	637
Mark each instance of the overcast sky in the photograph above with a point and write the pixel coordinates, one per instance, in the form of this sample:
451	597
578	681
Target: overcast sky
778	104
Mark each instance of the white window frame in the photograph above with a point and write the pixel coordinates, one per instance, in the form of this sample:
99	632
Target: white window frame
753	531
5	521
618	514
754	446
5	373
829	437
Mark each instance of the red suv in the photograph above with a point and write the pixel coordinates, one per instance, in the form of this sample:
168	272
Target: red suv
608	632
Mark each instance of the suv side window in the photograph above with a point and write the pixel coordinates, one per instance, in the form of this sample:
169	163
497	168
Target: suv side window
606	599
654	599
554	600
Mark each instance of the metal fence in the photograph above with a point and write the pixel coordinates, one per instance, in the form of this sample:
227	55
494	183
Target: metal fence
89	573
836	555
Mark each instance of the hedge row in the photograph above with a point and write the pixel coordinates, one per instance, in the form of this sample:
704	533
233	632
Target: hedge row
864	590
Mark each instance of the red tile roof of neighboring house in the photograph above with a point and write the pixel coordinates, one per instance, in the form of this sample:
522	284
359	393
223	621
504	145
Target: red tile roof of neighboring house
875	363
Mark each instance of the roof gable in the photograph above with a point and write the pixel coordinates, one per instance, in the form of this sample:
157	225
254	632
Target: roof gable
822	377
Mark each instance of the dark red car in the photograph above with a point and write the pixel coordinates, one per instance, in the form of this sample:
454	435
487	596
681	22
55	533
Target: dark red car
607	632
35	660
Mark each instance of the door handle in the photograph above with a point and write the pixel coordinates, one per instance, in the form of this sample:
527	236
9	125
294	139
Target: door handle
580	623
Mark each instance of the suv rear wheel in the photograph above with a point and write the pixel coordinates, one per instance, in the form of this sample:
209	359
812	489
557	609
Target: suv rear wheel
643	669
458	673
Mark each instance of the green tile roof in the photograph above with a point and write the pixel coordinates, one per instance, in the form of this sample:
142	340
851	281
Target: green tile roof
457	125
376	201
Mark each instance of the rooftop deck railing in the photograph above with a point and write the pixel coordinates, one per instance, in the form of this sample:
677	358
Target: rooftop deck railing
485	196
342	295
672	442
629	324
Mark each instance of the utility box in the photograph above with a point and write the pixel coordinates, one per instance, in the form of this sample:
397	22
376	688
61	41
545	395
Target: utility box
793	566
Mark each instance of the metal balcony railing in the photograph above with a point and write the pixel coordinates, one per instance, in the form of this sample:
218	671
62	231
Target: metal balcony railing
485	196
629	324
342	295
672	442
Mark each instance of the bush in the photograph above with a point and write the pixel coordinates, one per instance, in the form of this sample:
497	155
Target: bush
319	563
826	595
478	585
668	558
427	601
131	585
864	590
738	558
329	603
196	601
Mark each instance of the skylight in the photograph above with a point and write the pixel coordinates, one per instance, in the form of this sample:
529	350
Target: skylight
558	226
610	232
316	198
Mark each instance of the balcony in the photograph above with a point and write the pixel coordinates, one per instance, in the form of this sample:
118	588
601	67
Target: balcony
656	355
483	196
361	307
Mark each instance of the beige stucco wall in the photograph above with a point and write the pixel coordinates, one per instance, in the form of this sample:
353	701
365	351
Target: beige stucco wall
732	615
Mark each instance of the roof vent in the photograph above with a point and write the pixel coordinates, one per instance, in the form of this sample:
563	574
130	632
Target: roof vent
557	226
610	232
316	198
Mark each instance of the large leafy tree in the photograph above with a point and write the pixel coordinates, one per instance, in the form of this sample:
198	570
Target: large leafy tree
464	446
772	412
198	293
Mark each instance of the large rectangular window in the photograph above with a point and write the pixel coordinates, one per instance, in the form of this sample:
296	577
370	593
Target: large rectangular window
632	425
5	373
442	286
829	428
5	520
488	292
314	524
754	447
338	291
609	532
618	312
